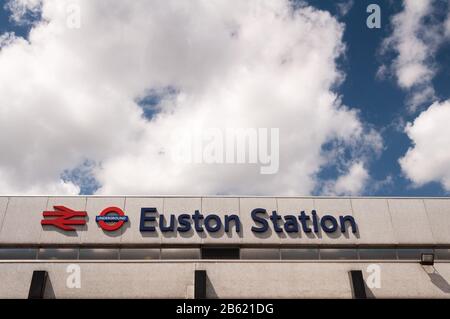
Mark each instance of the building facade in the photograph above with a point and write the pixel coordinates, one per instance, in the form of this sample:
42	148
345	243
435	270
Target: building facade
224	247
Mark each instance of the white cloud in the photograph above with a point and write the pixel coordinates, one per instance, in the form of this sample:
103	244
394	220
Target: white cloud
351	183
415	42
21	10
447	26
7	39
68	95
344	7
429	158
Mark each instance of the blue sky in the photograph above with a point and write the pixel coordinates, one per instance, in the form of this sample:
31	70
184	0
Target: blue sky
381	103
6	25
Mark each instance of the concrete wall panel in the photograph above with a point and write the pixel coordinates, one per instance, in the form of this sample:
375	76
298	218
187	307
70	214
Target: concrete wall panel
101	280
409	280
390	221
22	221
227	280
272	280
438	211
410	221
3	206
374	221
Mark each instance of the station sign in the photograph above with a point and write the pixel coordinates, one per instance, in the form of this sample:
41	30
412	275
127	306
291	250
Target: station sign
113	218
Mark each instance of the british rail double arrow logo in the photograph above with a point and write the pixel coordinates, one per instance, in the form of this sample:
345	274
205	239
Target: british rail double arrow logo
65	218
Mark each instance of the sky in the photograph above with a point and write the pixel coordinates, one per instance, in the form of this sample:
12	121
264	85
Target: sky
97	95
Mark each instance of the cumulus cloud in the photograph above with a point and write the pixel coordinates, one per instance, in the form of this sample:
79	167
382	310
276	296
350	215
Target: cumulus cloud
24	11
351	183
70	96
447	26
344	7
429	158
415	41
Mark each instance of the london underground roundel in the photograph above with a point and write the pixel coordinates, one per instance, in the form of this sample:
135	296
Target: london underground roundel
111	218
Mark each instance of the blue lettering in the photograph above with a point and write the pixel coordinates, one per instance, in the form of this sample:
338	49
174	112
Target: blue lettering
145	218
264	224
349	219
184	222
217	223
235	219
325	227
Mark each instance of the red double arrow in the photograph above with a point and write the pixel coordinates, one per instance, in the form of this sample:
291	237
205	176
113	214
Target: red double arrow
64	218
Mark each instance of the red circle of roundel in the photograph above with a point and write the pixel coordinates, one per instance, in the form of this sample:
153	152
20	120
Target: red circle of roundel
115	226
